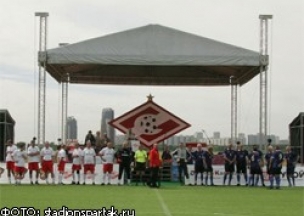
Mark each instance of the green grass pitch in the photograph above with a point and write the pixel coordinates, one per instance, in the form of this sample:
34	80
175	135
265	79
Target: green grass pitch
169	200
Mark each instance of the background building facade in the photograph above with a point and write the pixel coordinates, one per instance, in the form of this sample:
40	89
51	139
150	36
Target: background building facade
106	116
72	129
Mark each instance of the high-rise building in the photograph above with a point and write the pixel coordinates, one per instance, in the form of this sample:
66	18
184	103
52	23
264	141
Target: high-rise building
216	135
106	116
71	128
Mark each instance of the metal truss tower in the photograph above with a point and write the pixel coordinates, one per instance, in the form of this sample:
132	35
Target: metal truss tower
233	84
264	62
42	75
64	103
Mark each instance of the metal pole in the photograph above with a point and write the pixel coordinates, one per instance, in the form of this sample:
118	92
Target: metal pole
42	76
264	62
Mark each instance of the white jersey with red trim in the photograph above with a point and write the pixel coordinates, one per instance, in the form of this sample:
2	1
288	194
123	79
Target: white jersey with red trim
88	156
47	153
34	158
19	157
9	152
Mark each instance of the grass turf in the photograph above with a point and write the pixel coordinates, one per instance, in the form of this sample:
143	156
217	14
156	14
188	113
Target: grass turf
169	200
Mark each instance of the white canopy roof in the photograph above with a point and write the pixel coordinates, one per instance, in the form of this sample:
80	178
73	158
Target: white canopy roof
152	55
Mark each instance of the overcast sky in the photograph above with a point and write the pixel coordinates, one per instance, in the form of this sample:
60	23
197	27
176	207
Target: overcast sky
235	22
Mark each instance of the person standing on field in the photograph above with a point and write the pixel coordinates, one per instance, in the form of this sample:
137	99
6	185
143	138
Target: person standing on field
61	160
140	164
107	156
10	164
89	161
19	157
33	153
46	159
77	156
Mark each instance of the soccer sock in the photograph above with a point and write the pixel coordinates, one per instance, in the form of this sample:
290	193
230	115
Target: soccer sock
262	178
225	176
211	178
288	179
9	180
250	179
59	178
129	181
195	178
271	180
206	179
238	177
257	180
230	178
293	180
202	178
109	178
246	177
104	178
278	180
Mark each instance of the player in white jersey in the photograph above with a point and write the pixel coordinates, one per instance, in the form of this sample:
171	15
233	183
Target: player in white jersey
33	153
77	156
10	164
89	161
61	160
46	158
19	157
107	156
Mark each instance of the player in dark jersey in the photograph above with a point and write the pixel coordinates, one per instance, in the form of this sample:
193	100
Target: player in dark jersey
255	170
124	157
229	157
198	164
207	159
261	164
291	160
267	158
241	163
276	161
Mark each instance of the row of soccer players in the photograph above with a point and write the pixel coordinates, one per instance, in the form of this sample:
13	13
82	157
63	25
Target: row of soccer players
255	161
16	158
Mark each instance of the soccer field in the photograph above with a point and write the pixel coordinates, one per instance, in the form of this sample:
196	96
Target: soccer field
169	200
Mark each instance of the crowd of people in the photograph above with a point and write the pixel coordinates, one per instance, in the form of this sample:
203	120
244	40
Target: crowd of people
84	158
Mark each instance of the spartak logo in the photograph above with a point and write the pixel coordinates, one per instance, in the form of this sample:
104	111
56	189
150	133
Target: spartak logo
150	123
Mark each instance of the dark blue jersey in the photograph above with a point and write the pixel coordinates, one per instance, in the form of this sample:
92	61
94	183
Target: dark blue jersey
255	159
276	159
291	158
267	157
229	154
241	156
208	158
189	157
198	157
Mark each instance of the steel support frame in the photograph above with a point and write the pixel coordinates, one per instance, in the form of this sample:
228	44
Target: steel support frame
233	84
42	76
264	30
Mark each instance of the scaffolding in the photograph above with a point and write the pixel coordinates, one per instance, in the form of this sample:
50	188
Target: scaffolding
42	75
264	61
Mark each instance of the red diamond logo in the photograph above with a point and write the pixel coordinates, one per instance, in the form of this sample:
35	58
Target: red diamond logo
150	123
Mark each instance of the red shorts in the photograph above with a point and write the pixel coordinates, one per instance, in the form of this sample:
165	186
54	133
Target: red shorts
89	167
61	166
76	167
10	165
33	166
47	166
108	168
19	169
